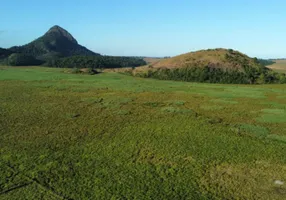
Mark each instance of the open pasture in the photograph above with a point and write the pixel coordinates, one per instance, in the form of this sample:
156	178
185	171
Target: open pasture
112	136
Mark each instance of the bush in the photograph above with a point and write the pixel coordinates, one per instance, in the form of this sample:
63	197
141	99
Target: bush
76	70
92	71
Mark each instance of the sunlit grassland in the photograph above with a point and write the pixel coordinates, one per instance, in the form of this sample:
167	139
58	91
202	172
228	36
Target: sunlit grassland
111	136
279	66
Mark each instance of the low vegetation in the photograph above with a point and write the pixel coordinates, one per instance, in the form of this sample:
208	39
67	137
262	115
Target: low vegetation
212	75
111	136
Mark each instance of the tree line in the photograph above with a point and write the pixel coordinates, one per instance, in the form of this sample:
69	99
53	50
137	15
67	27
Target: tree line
95	62
265	62
214	75
20	59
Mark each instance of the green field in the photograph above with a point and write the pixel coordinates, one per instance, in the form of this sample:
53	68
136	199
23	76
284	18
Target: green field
112	136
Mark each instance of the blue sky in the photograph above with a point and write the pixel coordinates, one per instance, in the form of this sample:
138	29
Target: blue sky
152	27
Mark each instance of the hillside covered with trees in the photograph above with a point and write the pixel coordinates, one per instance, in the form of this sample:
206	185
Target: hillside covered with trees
57	42
212	66
58	48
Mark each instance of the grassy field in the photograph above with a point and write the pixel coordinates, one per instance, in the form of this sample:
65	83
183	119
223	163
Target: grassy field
152	60
279	66
111	136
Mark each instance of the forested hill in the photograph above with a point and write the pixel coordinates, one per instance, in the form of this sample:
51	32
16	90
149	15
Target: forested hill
58	48
57	42
212	66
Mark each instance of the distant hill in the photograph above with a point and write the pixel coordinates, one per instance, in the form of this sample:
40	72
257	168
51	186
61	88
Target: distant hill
55	43
213	58
58	48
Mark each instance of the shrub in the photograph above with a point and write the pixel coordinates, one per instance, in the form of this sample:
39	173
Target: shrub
92	71
76	70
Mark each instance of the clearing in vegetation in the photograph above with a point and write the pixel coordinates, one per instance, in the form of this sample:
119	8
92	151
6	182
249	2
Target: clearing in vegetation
279	66
112	136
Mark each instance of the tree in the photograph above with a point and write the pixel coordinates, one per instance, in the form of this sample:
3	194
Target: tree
18	59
